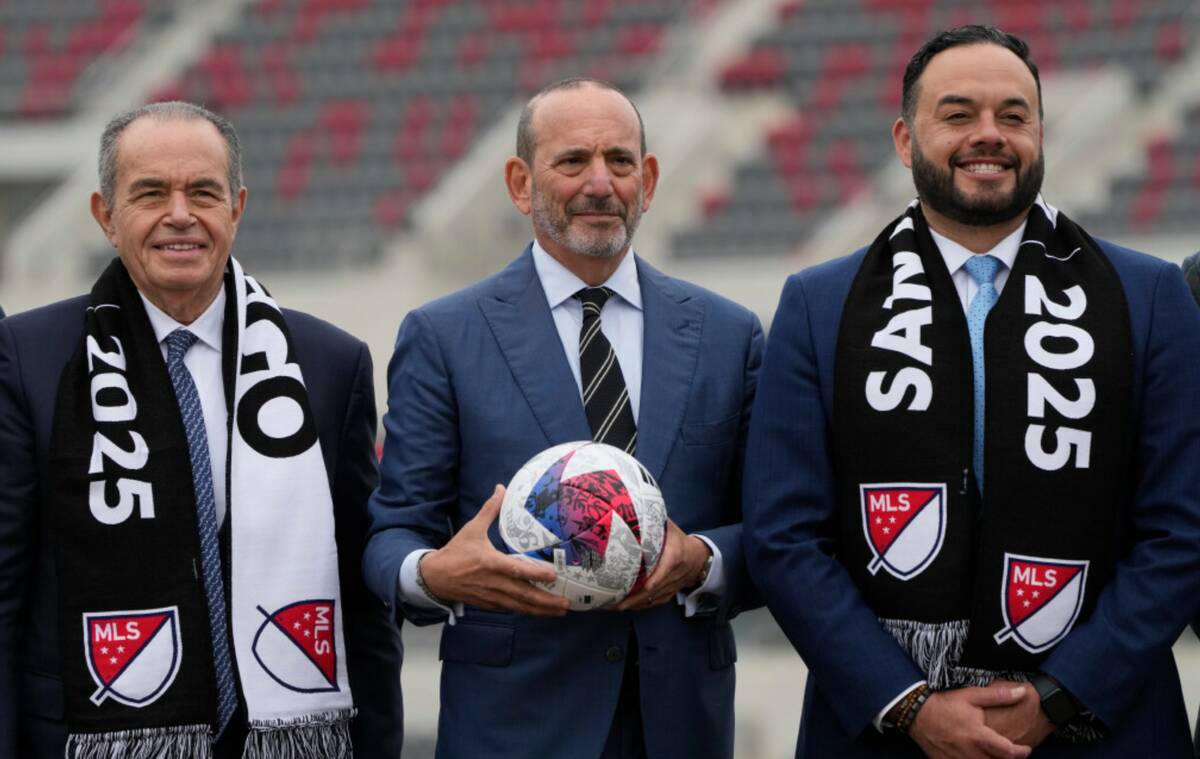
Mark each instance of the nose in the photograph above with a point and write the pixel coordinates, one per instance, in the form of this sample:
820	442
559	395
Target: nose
987	132
598	183
179	214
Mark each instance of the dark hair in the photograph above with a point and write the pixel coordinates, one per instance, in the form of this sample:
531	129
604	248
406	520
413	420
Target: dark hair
174	110
527	139
972	34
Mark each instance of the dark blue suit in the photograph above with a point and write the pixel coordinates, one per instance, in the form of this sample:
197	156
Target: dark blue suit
478	384
34	348
1118	662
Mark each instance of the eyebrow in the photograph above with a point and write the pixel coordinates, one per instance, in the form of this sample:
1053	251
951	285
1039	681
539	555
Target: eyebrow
1018	102
613	152
154	183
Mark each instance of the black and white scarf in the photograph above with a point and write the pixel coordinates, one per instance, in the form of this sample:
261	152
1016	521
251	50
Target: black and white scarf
133	623
974	587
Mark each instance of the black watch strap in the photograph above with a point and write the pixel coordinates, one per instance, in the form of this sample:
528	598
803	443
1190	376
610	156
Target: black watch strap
1057	703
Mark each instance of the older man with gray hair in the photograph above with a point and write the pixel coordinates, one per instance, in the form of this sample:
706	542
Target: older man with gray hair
183	490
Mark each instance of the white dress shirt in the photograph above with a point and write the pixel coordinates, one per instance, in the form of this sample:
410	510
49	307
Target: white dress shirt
956	256
620	322
203	361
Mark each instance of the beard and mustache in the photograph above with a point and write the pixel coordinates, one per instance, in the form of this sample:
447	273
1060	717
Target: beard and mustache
555	223
936	189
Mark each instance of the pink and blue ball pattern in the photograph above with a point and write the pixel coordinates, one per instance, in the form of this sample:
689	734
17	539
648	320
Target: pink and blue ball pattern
579	512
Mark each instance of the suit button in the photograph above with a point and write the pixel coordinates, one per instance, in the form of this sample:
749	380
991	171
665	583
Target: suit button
614	653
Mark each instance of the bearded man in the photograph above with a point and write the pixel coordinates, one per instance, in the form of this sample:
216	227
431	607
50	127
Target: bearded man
971	494
485	378
183	490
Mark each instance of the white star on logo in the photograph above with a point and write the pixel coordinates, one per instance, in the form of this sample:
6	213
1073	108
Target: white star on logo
1036	593
296	625
1026	603
1020	591
308	633
307	615
112	660
104	650
892	520
878	520
886	530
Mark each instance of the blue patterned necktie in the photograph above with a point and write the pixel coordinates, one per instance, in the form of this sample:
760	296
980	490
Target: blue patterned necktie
178	343
983	270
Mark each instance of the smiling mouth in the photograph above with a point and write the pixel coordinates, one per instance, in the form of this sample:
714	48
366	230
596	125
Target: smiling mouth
983	168
179	246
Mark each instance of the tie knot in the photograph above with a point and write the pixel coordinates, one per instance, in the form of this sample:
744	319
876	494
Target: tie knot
983	269
178	343
593	298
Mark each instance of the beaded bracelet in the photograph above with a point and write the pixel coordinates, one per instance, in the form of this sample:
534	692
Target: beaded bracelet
421	582
913	705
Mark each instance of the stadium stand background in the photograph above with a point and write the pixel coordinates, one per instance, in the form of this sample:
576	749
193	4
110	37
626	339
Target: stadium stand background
375	132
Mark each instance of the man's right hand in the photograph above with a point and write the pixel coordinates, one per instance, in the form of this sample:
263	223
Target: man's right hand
951	724
470	570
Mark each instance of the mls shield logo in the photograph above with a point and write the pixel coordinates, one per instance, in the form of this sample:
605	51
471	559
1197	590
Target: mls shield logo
904	524
1040	600
133	656
296	646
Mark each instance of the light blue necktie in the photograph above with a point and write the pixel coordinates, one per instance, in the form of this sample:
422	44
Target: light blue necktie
178	343
983	270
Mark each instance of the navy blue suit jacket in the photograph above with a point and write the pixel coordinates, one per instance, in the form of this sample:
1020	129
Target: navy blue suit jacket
478	384
34	348
1118	662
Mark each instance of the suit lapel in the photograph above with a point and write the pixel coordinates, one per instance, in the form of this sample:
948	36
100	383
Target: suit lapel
673	321
520	320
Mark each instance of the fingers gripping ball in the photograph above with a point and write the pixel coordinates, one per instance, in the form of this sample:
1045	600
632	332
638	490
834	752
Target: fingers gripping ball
591	511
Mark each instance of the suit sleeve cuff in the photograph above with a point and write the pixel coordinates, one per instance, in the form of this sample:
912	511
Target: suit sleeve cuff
878	721
701	598
414	594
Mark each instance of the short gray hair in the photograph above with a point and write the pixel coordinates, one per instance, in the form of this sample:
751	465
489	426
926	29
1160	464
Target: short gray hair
527	138
174	110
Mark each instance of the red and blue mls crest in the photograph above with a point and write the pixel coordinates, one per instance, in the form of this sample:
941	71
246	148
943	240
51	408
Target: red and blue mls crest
904	524
296	646
133	656
1040	599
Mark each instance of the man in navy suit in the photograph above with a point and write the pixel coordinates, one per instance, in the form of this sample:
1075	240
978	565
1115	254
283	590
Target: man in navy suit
487	377
171	200
817	538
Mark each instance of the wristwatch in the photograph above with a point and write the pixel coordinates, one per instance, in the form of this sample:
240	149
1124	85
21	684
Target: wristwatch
1058	704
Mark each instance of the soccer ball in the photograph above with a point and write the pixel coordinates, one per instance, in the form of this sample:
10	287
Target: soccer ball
594	513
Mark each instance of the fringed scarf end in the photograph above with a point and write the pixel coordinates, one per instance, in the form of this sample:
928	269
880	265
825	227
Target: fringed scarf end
193	741
325	735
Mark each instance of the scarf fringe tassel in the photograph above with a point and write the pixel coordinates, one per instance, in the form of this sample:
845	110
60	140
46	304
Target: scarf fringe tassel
193	741
325	735
936	648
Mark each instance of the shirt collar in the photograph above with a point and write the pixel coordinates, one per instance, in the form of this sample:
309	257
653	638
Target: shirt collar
560	283
956	255
207	327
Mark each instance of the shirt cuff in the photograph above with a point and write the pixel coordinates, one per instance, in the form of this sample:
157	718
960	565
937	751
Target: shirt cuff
878	722
411	591
713	585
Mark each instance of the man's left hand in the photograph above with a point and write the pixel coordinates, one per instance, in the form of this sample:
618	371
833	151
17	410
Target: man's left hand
1023	722
679	567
